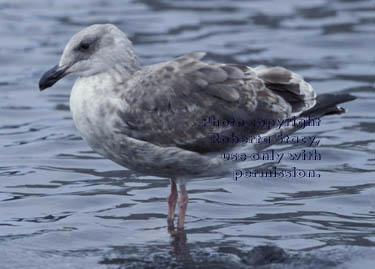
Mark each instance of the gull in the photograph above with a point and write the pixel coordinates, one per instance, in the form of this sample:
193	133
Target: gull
149	118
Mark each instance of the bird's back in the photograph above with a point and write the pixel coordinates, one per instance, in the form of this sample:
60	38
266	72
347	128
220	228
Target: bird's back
167	104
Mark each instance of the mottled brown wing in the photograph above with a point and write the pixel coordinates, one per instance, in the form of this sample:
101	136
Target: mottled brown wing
166	103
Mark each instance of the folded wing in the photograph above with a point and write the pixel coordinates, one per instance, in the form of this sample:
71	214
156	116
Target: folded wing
165	104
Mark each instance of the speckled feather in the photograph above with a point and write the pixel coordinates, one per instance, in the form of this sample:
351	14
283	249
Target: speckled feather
167	102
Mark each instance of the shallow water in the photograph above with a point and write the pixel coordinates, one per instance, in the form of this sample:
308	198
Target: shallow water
63	206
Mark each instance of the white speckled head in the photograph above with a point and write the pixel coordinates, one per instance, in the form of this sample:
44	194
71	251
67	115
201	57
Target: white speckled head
94	50
97	48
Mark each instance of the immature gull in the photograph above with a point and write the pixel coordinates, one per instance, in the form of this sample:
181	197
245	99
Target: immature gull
149	119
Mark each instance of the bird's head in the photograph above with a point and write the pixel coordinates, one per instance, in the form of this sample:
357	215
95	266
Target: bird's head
93	50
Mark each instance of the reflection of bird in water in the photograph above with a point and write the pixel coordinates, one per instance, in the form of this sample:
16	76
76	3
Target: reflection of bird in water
179	245
149	119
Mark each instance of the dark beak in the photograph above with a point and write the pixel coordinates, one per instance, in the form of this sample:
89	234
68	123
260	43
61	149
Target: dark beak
51	77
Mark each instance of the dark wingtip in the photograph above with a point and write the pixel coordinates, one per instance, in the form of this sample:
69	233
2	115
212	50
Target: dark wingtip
327	104
345	97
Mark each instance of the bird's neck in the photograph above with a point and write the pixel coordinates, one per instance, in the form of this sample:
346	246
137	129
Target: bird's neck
121	72
127	62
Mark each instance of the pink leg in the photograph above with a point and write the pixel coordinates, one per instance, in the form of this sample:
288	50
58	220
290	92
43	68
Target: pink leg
172	201
182	205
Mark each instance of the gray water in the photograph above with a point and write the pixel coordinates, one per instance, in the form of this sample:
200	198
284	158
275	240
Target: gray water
64	206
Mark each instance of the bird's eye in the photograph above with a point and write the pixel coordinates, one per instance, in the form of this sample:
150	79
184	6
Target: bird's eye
84	46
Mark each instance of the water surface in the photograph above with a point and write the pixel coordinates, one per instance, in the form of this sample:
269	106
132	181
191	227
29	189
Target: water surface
63	206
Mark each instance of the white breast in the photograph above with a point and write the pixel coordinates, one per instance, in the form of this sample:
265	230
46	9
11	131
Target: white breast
90	100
